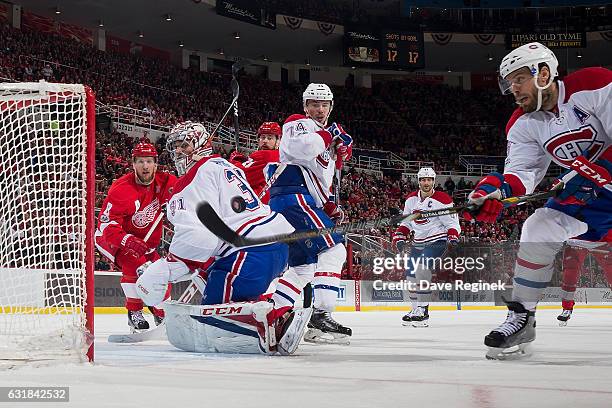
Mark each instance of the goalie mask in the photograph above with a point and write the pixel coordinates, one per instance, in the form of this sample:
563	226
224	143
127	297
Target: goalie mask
187	143
531	56
318	92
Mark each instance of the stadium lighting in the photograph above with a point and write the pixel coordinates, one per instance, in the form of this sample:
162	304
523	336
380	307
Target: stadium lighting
578	54
140	34
307	62
100	23
489	57
220	51
168	17
265	58
57	10
448	69
320	49
181	44
237	35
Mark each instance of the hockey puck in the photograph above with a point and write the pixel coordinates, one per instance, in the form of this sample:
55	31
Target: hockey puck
238	204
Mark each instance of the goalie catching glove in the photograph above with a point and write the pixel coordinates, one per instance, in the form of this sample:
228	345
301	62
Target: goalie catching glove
486	198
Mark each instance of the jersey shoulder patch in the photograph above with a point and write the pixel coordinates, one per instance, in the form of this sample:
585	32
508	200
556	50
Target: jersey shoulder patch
442	197
586	79
518	112
294	117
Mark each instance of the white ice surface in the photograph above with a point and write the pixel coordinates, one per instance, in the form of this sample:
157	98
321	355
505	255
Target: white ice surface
386	365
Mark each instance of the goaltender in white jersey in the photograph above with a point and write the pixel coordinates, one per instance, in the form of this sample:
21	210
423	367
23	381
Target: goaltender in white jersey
236	277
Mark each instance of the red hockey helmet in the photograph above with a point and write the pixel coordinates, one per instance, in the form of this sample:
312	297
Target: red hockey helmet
270	128
144	149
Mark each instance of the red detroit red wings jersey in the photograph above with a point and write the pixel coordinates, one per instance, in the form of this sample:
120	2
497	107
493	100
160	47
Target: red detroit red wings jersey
131	208
582	123
254	170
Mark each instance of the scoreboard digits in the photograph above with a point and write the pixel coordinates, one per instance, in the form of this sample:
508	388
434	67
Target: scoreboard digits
384	49
402	50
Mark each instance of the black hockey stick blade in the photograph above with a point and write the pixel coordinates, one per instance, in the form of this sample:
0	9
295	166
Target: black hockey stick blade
211	220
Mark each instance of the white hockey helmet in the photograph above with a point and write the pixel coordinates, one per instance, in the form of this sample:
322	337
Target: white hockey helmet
528	56
318	92
193	133
425	172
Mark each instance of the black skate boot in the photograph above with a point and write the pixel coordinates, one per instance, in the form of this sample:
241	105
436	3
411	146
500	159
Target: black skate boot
322	328
137	321
565	315
417	317
513	336
157	317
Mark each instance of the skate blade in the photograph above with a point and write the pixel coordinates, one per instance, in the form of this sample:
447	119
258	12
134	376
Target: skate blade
156	333
562	323
420	324
316	336
512	353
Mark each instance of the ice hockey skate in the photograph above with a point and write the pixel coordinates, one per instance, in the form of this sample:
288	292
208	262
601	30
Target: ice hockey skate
156	317
511	339
322	328
417	317
137	321
565	315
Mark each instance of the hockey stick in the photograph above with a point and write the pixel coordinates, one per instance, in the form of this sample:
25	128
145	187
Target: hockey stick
236	67
211	220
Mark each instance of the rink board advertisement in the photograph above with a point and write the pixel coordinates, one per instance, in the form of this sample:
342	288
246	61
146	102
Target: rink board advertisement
108	294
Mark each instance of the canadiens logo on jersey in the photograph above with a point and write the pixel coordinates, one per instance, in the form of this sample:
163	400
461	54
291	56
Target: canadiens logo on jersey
144	217
421	221
566	146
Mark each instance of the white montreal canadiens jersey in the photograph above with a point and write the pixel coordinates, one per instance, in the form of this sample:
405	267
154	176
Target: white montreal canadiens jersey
215	180
430	229
303	146
583	124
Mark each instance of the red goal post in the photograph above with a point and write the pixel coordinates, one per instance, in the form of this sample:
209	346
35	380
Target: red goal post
47	198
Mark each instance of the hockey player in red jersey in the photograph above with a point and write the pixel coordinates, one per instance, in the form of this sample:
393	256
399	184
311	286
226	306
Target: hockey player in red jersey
129	211
568	121
574	255
269	135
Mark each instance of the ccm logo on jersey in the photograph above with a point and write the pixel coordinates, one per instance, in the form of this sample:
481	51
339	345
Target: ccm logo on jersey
584	168
221	310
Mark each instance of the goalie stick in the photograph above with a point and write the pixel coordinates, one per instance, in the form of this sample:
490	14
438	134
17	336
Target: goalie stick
211	220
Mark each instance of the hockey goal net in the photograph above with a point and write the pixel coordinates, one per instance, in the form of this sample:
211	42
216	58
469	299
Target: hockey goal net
47	190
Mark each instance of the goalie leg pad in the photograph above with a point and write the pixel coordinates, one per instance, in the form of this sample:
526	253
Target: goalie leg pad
223	328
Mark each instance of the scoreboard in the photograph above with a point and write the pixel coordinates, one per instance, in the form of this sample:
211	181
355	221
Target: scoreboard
386	49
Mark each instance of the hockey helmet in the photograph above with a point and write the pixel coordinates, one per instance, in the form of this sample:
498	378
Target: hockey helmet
529	56
318	92
269	128
197	136
144	149
426	172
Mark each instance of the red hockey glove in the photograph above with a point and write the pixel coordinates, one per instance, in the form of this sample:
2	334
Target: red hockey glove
334	212
452	236
486	198
238	157
133	247
400	236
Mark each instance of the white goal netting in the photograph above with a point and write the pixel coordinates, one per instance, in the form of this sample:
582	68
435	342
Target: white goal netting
46	212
